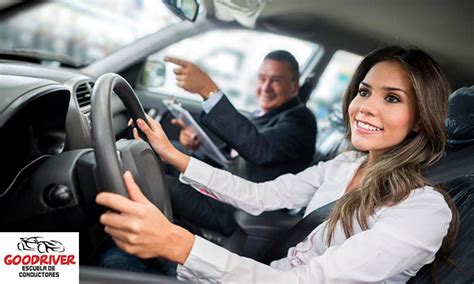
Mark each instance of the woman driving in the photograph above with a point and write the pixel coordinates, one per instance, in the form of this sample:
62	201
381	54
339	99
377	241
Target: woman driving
388	222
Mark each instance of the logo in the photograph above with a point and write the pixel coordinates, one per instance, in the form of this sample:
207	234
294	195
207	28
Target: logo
39	257
39	245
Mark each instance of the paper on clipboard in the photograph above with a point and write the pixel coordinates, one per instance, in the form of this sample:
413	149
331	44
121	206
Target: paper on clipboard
207	144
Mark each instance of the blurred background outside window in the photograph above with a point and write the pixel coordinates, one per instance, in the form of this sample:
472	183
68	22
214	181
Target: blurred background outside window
326	97
326	104
84	30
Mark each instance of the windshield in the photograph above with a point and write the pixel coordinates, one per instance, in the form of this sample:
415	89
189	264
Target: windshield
81	31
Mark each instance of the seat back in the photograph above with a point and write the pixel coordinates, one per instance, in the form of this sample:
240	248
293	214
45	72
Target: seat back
460	131
460	120
307	87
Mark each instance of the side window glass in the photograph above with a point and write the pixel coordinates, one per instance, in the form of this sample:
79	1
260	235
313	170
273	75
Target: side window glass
231	58
325	102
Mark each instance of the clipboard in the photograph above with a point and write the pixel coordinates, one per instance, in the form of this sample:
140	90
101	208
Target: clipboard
207	145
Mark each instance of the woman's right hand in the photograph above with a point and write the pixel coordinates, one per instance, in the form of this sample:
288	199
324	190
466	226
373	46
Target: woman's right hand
161	144
141	229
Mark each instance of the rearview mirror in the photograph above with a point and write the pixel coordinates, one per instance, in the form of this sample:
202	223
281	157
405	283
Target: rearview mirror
184	9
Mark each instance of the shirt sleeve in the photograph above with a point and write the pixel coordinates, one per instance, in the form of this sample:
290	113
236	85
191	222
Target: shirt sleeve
287	191
208	104
210	263
404	238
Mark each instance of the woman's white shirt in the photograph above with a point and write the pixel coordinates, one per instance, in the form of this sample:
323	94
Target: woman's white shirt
399	241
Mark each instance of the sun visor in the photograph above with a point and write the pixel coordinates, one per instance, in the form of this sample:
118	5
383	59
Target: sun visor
245	12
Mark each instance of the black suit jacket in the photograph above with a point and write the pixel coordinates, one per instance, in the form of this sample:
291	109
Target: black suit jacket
281	141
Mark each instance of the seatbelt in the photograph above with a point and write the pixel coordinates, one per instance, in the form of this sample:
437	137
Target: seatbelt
279	249
450	167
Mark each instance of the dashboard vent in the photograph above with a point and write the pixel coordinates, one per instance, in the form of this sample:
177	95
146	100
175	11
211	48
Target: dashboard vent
83	94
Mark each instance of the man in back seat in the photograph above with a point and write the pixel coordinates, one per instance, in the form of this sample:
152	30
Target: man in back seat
278	139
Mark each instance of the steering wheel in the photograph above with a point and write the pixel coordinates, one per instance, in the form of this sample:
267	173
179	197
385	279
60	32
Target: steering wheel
134	155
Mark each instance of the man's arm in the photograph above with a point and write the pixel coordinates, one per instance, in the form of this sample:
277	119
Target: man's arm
194	80
292	137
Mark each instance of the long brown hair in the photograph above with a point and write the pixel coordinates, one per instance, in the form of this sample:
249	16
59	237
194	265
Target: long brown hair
397	171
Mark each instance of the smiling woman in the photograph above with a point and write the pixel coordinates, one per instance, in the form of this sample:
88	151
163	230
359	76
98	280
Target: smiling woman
384	111
389	220
79	32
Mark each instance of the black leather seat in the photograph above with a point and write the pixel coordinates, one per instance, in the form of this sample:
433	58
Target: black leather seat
462	191
460	130
307	87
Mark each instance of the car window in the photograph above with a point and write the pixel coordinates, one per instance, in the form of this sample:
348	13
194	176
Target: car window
231	58
325	102
83	31
332	84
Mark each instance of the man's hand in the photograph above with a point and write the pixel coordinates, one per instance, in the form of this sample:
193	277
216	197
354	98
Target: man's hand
191	78
139	228
187	135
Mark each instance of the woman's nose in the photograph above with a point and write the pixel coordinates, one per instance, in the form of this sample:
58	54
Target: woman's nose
369	107
364	110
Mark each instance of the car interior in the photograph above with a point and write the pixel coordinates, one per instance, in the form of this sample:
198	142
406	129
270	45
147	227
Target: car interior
64	122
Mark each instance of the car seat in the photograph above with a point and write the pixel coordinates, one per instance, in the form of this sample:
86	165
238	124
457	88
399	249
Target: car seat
307	87
460	131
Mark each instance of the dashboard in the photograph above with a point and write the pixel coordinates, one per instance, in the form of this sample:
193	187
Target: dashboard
43	112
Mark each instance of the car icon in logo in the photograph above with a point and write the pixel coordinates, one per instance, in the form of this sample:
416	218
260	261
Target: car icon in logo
40	245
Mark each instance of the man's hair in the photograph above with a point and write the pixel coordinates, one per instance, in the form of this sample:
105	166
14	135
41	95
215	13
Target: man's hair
283	55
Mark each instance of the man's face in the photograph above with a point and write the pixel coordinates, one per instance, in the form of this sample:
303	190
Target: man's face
275	84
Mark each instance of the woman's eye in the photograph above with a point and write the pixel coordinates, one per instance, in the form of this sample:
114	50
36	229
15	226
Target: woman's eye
392	99
363	93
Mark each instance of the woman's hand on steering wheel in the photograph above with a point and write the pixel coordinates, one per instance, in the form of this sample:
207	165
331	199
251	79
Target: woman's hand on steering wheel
161	144
141	229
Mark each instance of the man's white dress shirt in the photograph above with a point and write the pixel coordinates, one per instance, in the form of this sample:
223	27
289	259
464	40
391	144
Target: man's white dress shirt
399	241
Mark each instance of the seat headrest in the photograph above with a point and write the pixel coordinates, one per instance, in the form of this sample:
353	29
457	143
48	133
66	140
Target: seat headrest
460	121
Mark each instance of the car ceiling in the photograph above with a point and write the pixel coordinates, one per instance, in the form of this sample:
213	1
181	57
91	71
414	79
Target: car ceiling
443	28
